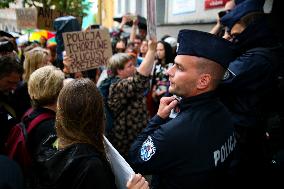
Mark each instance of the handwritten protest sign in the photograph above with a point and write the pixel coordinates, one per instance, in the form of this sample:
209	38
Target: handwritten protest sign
46	16
26	18
151	19
40	18
88	49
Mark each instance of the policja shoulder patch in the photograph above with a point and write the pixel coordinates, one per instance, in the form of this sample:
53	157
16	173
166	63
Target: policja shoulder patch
148	149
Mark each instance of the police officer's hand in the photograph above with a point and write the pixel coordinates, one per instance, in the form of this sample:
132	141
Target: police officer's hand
137	182
166	105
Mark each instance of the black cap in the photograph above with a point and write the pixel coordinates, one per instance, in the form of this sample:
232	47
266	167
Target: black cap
240	11
206	45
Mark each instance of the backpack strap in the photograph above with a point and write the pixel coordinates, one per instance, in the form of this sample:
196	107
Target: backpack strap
27	113
30	121
39	118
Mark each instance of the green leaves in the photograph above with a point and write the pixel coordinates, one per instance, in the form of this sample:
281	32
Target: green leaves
5	3
76	7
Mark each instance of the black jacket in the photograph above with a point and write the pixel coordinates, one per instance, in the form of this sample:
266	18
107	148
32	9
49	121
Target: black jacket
250	86
193	150
79	166
7	118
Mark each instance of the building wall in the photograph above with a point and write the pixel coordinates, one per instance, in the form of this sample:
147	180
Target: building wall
108	13
190	11
173	30
190	14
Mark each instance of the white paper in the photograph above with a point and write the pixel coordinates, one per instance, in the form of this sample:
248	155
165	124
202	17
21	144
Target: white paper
121	169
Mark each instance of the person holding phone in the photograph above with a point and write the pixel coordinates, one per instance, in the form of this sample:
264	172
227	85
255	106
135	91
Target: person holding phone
219	29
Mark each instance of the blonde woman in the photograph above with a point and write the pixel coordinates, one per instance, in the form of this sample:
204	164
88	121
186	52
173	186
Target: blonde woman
34	59
44	86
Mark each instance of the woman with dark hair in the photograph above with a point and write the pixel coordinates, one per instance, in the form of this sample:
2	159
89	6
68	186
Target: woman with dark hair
160	81
80	161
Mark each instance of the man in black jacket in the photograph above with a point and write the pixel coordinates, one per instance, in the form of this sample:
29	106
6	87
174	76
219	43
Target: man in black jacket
197	147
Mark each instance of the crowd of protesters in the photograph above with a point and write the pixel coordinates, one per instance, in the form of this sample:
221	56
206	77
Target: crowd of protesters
203	110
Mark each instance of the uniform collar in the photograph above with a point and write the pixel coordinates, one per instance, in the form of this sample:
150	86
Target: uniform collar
198	100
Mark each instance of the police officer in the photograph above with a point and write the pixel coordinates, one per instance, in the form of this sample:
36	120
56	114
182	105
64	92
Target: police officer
250	88
196	148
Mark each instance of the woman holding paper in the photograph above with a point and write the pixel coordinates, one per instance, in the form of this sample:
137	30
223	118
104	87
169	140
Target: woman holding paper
81	161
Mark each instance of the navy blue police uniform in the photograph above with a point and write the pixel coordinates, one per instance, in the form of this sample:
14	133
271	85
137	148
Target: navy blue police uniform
190	150
250	91
195	149
250	84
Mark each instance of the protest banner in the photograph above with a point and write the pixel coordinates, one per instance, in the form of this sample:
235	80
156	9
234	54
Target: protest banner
40	18
87	49
151	19
26	18
46	16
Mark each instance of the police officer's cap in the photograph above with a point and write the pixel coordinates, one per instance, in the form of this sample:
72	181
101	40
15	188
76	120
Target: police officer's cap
241	9
206	45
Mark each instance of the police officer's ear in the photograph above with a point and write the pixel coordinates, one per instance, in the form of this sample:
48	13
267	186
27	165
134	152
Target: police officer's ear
204	81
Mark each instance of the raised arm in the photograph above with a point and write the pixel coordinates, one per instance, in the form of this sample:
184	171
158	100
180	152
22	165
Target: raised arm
146	66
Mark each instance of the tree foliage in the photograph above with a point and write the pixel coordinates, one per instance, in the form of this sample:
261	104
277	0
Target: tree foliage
76	7
5	3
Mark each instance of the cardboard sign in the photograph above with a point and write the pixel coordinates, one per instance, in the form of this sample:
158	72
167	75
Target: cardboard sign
88	49
46	16
26	18
40	18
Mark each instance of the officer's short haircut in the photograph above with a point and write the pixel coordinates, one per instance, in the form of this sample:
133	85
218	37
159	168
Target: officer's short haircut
10	64
213	68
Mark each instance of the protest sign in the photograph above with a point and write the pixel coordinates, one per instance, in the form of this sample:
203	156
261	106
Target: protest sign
26	18
46	16
87	49
151	19
120	168
40	18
